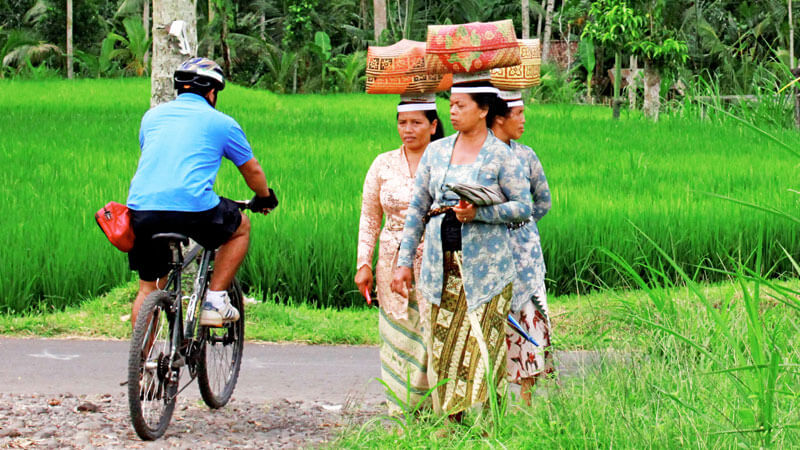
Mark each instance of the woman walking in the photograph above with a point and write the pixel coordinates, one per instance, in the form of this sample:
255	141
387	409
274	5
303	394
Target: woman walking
467	267
526	362
387	192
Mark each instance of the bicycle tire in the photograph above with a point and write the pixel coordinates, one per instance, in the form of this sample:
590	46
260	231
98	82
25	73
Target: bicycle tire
221	356
151	398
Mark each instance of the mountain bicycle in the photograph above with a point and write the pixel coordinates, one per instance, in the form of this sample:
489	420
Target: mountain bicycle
167	338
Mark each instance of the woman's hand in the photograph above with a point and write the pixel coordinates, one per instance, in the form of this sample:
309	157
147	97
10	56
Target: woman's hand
401	282
364	280
465	211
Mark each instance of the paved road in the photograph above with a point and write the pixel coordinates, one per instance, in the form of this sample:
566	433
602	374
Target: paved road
308	373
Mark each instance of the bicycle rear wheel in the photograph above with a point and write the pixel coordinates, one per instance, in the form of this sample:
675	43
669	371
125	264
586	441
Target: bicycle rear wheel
221	357
152	384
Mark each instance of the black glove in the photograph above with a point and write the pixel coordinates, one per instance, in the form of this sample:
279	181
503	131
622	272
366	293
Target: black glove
263	204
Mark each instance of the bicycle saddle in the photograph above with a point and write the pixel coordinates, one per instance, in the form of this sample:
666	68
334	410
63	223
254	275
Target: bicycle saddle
172	237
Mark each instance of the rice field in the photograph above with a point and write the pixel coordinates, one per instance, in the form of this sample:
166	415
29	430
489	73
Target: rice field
68	147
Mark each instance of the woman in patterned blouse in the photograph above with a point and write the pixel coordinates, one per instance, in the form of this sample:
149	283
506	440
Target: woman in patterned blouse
467	267
526	362
387	191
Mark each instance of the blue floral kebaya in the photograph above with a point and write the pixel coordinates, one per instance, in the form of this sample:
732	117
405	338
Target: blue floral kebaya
488	265
525	242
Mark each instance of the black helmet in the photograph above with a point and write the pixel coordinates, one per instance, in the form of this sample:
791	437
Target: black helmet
199	73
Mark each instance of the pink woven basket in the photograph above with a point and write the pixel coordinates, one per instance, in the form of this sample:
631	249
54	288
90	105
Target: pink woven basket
400	69
471	47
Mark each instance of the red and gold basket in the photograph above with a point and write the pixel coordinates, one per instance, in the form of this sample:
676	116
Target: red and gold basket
524	75
471	47
400	69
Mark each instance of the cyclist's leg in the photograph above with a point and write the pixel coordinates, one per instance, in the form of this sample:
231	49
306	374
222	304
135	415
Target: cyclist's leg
149	258
230	256
145	289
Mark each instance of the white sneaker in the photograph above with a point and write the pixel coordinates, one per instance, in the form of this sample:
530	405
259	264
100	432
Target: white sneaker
217	317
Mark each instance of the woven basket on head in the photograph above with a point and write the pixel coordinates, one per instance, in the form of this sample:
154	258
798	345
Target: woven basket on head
471	47
524	75
400	69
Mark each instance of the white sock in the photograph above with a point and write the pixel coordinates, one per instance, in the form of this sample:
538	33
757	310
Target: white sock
217	298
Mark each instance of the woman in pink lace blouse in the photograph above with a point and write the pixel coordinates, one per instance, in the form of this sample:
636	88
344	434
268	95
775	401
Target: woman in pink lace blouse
387	192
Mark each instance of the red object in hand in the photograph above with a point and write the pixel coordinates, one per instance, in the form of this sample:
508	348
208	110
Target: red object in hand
368	297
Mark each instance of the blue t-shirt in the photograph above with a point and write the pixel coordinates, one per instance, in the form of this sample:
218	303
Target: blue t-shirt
183	142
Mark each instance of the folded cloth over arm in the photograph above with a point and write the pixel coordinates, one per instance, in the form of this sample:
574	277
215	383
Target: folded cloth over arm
478	195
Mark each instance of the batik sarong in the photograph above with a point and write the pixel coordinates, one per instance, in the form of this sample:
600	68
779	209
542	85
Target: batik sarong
455	348
404	360
526	360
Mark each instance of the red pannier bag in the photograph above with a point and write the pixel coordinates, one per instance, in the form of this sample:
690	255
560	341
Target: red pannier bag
115	221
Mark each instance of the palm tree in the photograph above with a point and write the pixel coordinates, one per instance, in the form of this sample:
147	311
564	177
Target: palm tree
134	46
19	47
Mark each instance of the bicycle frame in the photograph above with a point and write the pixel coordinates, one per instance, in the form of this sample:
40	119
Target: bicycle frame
183	335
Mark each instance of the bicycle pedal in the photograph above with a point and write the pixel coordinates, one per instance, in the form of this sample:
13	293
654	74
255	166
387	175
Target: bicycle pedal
178	363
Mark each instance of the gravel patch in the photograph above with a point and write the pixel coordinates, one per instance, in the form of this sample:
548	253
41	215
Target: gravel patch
102	421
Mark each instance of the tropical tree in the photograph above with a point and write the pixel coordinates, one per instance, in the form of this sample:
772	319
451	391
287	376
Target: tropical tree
133	46
661	52
21	47
616	26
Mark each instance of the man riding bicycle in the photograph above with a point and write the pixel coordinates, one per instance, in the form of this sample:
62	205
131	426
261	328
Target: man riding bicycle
183	143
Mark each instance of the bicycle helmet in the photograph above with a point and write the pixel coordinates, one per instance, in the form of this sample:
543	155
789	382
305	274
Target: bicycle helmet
201	73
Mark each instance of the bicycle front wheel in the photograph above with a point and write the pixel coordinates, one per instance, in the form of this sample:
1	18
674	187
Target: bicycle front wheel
221	358
152	383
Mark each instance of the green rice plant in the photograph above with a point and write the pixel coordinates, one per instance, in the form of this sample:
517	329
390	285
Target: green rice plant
68	147
755	349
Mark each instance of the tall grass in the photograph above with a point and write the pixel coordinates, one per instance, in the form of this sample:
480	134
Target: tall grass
70	146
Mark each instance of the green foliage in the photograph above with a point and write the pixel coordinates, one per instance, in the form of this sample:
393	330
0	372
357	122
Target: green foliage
613	24
298	27
98	65
587	58
666	54
21	51
133	46
349	71
556	86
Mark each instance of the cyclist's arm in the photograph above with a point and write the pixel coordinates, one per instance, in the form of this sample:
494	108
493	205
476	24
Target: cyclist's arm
254	177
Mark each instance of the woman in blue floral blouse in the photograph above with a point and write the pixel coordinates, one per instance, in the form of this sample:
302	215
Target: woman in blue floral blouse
467	265
526	362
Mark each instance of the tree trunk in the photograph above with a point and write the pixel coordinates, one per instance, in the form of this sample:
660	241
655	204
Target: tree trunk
363	15
69	39
211	14
548	27
652	92
146	25
539	23
634	69
615	102
262	27
223	40
170	51
793	65
526	19
379	13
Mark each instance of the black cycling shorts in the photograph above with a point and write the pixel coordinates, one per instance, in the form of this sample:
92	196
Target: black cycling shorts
210	229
